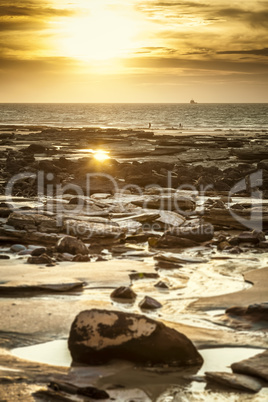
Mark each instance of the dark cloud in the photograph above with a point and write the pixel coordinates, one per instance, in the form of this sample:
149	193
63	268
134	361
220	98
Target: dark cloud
209	65
21	25
180	3
48	64
255	52
152	49
31	11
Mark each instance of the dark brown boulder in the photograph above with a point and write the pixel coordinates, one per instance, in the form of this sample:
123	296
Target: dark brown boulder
148	303
123	292
71	245
98	336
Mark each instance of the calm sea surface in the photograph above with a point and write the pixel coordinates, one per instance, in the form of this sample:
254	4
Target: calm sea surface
193	117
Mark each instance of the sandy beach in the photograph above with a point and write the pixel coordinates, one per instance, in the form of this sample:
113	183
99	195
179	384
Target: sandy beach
177	220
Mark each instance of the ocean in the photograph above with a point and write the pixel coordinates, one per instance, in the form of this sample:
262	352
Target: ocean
192	117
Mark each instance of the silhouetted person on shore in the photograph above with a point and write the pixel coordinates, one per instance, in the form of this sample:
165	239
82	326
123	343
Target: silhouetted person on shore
150	125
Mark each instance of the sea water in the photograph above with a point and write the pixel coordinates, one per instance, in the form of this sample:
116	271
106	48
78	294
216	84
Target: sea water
192	117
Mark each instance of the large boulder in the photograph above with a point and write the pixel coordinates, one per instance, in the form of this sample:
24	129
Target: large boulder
71	245
98	336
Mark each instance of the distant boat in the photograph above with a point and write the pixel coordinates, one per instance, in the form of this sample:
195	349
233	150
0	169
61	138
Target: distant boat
192	102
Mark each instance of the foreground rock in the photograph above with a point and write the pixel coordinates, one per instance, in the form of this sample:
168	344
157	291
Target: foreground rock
238	381
98	336
256	366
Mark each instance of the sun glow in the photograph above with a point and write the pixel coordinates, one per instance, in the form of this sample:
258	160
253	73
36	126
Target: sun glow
101	33
101	155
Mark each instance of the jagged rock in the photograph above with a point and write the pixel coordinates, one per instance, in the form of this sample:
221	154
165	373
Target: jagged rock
42	259
98	336
238	381
148	303
123	292
256	366
72	245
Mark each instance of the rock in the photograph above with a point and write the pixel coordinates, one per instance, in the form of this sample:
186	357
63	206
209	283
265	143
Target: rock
263	164
170	219
17	247
33	222
254	312
148	303
123	292
35	149
201	233
42	259
253	237
238	381
4	257
161	285
5	210
179	258
98	336
91	392
81	258
256	366
168	241
72	245
38	251
223	245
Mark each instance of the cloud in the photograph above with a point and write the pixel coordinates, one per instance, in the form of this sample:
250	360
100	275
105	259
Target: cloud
255	52
232	66
32	11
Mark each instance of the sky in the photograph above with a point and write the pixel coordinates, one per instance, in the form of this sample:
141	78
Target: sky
134	51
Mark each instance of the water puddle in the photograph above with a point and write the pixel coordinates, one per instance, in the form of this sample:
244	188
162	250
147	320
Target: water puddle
159	386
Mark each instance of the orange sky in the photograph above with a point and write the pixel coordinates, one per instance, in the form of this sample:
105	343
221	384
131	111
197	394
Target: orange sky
133	51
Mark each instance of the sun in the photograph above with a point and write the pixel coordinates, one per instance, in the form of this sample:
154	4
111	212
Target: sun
101	33
101	155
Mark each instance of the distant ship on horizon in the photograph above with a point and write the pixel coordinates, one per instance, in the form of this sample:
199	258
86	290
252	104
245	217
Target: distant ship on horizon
192	102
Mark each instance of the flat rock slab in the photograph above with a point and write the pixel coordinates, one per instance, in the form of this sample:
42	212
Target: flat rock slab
96	274
35	287
238	381
256	366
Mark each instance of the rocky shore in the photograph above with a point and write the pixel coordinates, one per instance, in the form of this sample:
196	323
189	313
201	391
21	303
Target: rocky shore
143	253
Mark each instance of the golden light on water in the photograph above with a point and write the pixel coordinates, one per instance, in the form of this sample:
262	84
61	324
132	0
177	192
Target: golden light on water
101	155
